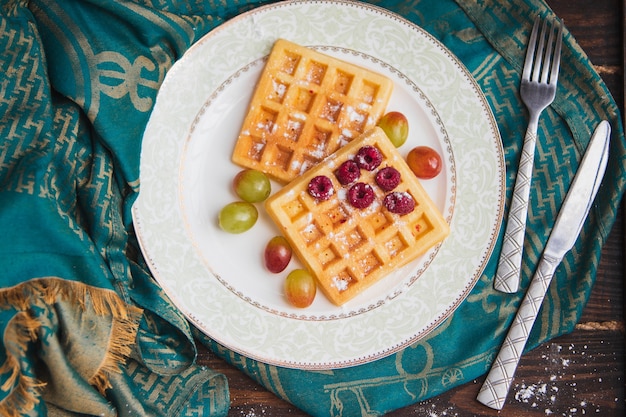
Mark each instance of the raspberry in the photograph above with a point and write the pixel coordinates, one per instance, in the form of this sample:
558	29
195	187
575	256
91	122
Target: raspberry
399	203
348	172
361	195
388	178
368	158
321	187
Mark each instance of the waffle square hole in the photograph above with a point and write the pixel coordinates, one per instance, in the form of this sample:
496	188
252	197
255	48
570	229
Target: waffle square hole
308	161
395	245
342	280
337	215
378	221
293	129
278	91
327	256
369	92
290	63
369	263
316	151
283	157
422	227
331	110
320	138
354	238
311	233
315	72
343	82
304	100
256	149
356	119
266	120
294	209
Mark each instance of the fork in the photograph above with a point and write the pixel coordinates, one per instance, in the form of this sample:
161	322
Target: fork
538	89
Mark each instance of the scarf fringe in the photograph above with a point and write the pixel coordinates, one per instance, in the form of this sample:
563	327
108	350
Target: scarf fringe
123	333
25	390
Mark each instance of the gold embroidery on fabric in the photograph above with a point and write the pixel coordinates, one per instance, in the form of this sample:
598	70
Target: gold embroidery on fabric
114	74
269	377
486	69
340	393
414	382
488	304
117	76
451	376
469	35
62	34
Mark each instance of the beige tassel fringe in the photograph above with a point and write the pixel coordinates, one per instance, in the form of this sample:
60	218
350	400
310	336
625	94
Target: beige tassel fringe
25	390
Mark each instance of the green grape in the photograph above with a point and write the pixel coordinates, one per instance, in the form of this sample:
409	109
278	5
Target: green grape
396	127
300	288
252	186
237	217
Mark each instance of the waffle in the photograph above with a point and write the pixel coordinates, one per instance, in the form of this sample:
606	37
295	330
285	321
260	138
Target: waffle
349	249
305	106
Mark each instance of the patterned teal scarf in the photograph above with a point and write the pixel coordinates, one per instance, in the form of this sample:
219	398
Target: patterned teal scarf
85	327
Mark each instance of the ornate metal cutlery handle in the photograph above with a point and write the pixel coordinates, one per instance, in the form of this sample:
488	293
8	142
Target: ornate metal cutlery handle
510	262
496	387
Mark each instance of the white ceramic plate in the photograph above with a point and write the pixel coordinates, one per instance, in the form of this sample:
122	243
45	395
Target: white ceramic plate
218	279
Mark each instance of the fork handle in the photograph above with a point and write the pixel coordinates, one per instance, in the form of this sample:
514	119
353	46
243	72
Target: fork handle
509	265
496	387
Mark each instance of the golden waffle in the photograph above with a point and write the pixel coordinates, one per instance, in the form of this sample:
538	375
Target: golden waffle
349	249
305	106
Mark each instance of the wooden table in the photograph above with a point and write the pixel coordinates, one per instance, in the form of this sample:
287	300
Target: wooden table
574	375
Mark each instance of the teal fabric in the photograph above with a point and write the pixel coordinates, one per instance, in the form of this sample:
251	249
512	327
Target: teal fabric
86	329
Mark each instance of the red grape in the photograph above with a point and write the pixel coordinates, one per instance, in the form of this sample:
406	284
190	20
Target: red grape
277	254
425	162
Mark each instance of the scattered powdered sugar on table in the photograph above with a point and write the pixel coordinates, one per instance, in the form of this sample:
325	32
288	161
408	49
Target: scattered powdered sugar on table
427	409
256	411
548	394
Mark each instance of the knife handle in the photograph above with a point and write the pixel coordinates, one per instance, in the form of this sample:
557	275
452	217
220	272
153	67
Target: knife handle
494	391
510	261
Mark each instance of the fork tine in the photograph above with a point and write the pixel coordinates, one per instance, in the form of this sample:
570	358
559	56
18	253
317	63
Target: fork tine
547	57
552	61
539	53
554	75
530	50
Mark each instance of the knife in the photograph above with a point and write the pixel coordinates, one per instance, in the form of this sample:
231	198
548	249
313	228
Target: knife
567	227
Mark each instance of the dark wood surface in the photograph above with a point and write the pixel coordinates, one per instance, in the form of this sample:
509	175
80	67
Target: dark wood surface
574	375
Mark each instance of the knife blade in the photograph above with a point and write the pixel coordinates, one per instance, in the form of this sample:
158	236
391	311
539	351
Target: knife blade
567	227
579	199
